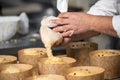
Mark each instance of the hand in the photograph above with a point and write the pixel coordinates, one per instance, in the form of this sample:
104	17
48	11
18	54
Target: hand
72	23
86	35
65	41
74	26
76	23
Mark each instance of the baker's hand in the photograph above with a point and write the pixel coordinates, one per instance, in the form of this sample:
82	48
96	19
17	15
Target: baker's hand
82	36
65	41
72	23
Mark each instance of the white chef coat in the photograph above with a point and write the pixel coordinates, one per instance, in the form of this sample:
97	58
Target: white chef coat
108	8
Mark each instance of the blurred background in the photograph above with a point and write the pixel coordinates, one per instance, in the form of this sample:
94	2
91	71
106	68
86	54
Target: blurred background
35	10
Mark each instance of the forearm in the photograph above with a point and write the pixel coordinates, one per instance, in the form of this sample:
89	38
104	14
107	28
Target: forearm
103	25
84	35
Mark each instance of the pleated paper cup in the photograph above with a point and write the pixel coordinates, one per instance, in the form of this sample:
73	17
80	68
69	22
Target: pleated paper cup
85	73
15	71
80	51
47	77
7	59
107	59
48	68
31	56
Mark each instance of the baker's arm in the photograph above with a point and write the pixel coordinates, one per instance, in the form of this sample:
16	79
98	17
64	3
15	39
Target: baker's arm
107	8
104	8
103	24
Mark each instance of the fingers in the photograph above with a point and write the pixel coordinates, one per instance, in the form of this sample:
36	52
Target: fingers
63	19
63	28
59	29
60	21
68	33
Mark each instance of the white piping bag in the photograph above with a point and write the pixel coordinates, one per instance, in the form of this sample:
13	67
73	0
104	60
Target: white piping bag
62	5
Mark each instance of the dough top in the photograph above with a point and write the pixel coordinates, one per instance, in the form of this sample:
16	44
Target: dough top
7	58
2	60
103	54
34	51
84	72
11	69
49	77
54	60
15	68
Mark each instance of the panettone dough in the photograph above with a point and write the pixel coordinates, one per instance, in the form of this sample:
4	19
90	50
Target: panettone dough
34	52
42	78
54	60
3	60
49	38
81	73
11	69
48	77
51	59
103	54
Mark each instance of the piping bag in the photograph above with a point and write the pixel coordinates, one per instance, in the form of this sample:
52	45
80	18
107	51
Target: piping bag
62	6
48	36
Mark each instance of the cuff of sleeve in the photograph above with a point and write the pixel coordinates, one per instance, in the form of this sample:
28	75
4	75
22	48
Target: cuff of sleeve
116	24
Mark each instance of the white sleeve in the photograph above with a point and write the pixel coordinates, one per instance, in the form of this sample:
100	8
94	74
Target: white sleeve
107	8
104	7
116	24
